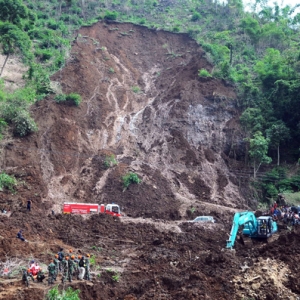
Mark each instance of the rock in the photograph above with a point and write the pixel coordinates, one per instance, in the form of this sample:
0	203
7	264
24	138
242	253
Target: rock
255	286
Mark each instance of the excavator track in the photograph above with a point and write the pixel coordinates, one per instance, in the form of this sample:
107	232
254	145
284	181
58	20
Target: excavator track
273	238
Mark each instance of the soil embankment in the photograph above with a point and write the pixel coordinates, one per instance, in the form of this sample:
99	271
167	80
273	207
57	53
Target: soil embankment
144	103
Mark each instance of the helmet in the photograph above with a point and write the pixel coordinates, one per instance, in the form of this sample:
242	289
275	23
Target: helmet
70	250
88	255
56	255
73	256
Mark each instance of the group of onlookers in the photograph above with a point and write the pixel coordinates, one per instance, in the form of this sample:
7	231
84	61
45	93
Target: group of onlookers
287	213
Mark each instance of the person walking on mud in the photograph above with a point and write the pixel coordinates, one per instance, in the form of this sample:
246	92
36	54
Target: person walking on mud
81	267
28	205
51	269
87	267
56	263
65	269
71	266
26	275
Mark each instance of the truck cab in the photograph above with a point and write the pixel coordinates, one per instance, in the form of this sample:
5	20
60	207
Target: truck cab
111	209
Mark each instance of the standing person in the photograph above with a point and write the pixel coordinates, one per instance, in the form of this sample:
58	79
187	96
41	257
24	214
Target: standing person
29	204
51	269
71	266
56	263
81	265
76	261
65	267
61	256
25	275
87	267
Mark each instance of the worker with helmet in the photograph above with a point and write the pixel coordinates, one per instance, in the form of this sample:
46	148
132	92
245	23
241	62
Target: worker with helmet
27	274
71	267
40	276
65	267
87	267
76	267
51	269
56	263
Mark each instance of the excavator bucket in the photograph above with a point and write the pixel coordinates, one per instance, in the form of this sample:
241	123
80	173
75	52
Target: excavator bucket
247	241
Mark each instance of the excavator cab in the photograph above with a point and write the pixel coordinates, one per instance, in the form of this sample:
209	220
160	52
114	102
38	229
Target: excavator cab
261	228
265	226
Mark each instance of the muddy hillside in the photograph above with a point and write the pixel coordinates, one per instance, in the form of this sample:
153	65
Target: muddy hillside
143	103
145	110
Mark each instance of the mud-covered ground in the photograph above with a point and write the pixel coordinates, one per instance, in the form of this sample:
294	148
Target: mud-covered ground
174	260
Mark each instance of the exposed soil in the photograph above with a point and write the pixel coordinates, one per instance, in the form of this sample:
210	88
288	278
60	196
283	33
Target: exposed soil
144	103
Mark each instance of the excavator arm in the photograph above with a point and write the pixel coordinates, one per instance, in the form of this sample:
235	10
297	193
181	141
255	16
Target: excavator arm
245	218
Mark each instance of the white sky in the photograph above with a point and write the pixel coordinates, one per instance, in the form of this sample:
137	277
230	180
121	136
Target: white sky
282	3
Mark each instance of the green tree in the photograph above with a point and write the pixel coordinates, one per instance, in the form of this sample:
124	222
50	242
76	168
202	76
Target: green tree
271	68
13	11
277	133
252	120
252	28
13	40
258	151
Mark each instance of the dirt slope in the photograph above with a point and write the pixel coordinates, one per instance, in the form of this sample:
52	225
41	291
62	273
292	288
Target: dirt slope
143	102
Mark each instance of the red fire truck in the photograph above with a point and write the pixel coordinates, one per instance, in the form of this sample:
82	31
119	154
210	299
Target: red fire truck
91	208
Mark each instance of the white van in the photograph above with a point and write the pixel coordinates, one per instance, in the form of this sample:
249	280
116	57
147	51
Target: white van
208	219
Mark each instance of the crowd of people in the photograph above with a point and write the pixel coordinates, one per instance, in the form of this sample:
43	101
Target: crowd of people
68	265
289	214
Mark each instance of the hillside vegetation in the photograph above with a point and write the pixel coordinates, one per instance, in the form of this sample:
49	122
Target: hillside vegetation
256	51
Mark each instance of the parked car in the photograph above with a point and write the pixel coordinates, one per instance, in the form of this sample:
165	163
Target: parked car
208	219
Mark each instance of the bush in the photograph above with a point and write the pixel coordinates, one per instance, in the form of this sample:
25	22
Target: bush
74	99
68	294
136	89
7	182
110	161
110	15
71	99
60	98
93	260
176	29
196	16
43	54
130	178
204	73
3	124
24	124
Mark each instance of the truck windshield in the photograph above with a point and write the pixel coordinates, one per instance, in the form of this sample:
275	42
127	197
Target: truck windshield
115	209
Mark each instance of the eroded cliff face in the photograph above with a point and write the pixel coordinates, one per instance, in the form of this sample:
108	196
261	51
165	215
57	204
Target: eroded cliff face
144	102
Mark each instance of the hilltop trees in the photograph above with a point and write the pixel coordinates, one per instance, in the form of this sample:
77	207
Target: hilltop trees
13	11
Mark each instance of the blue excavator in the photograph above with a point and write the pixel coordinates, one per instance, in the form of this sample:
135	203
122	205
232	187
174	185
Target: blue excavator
259	228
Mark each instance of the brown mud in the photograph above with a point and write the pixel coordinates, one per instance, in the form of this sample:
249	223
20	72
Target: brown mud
144	103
